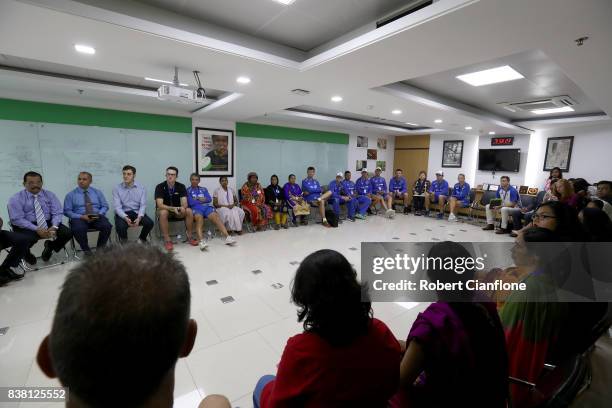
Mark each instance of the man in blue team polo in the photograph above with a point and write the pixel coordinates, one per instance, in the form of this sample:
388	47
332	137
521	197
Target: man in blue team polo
360	202
437	193
380	194
460	197
313	193
398	189
339	197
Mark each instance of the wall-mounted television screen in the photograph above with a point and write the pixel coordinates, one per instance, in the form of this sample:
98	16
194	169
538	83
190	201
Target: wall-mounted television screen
499	160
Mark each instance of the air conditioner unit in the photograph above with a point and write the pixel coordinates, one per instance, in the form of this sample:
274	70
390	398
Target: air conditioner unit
179	95
546	103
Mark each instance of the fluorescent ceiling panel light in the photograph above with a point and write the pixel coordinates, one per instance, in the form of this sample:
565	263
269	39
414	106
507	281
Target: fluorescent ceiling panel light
438	121
468	128
163	82
336	98
396	112
491	133
491	76
243	80
412	124
284	2
552	110
85	49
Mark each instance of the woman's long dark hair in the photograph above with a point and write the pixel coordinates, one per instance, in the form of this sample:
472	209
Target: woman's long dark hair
330	299
550	176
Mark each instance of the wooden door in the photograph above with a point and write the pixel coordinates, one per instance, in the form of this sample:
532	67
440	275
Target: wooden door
412	156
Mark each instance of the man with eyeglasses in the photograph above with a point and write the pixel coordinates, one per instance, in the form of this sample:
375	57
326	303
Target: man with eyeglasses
171	202
508	201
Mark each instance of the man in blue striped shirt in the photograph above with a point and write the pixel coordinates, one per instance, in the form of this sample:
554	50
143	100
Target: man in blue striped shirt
86	209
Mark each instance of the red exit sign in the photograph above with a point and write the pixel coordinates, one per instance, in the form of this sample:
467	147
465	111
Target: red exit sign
502	141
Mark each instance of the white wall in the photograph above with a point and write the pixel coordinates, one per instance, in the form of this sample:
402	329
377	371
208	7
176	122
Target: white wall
212	183
520	142
361	153
469	162
591	153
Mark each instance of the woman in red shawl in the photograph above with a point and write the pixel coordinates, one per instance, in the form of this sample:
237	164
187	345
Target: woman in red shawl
253	201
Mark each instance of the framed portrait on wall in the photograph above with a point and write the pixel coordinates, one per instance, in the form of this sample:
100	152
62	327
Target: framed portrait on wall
372	154
452	153
558	153
214	152
362	141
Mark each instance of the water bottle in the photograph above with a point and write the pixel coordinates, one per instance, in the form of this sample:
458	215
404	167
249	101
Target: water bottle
209	235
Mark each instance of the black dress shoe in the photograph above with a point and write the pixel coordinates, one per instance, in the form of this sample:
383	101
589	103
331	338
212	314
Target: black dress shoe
30	258
47	252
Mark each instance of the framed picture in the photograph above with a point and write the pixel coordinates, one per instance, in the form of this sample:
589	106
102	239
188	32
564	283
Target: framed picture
452	153
361	164
214	152
523	189
381	143
372	154
558	153
362	141
382	164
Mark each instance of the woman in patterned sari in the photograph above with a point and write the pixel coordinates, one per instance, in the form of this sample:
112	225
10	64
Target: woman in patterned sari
253	202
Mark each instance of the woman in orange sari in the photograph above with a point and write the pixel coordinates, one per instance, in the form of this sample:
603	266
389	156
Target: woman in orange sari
253	201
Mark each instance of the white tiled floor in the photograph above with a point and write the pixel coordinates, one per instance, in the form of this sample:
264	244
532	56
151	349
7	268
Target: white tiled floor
240	341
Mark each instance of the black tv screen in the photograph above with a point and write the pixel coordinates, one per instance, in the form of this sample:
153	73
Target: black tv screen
499	160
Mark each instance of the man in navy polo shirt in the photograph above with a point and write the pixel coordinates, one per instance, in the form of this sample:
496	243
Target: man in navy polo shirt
437	193
398	189
460	197
359	202
313	193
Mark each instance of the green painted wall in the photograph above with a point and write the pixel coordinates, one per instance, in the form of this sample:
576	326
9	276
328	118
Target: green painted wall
288	133
28	111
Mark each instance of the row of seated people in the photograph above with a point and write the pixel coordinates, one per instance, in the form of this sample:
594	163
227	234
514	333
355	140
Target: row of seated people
461	351
36	213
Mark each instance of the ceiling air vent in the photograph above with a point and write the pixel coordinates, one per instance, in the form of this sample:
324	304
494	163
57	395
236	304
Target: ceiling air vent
547	103
413	6
301	92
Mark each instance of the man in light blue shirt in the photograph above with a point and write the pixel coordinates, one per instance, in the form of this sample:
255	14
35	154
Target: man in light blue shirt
379	193
130	201
438	193
86	208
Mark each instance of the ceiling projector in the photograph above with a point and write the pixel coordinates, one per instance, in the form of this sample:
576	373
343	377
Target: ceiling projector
174	93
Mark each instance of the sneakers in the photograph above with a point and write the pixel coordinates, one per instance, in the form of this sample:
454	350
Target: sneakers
192	241
168	245
203	245
440	216
325	223
229	240
426	213
417	213
360	216
390	213
352	219
452	217
489	227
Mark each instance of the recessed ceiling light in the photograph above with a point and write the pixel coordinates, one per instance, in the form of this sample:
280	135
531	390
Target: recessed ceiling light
412	124
85	49
243	80
438	121
163	81
552	110
396	112
336	98
491	133
285	2
491	76
468	128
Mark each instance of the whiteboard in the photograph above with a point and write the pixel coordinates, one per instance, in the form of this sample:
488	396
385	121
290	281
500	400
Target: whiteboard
59	152
283	157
